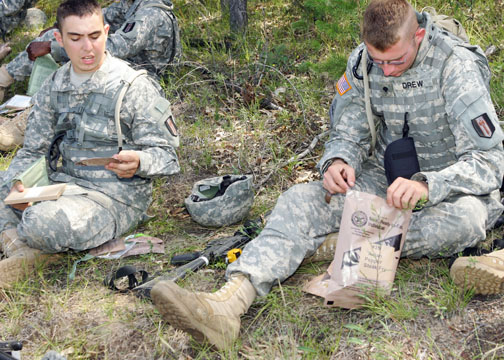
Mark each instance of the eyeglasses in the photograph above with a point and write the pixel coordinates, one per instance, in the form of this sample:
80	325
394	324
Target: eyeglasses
400	61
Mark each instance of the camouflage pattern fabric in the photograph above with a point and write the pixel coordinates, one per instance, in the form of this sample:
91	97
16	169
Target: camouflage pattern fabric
56	226
12	12
463	169
223	210
109	205
149	38
115	14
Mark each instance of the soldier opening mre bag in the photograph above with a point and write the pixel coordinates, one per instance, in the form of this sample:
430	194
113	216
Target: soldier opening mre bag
370	240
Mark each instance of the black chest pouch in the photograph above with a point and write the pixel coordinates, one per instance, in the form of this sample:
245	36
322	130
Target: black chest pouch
401	157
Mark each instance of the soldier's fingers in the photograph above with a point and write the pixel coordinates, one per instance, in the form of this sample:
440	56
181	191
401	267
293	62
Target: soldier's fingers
349	174
396	195
329	184
408	198
390	192
334	182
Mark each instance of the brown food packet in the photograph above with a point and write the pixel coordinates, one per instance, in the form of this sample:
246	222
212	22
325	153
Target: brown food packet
371	237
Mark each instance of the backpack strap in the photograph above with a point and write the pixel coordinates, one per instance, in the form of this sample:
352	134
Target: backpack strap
447	23
367	100
126	83
176	52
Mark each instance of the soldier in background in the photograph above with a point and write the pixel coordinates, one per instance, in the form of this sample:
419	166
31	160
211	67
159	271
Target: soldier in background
73	115
420	74
144	32
12	12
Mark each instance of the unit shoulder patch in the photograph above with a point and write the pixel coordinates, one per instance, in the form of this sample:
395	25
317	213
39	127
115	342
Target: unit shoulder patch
128	27
483	126
343	85
170	124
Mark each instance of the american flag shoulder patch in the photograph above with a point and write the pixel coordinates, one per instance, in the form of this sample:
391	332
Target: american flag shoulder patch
343	85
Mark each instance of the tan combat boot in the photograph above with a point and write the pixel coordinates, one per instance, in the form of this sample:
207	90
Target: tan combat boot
5	50
207	317
5	81
326	250
10	242
484	273
12	131
21	259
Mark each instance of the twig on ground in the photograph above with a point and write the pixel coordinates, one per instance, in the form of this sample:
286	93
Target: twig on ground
292	158
196	67
492	351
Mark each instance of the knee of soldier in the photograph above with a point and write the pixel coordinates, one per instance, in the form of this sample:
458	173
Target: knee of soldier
42	227
442	234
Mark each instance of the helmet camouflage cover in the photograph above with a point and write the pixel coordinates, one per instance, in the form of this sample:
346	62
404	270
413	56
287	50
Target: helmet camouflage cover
220	201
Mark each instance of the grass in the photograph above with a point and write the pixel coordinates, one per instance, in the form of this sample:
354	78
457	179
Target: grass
292	55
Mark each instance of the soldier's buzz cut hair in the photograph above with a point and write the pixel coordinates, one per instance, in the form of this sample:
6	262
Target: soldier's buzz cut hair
385	21
78	8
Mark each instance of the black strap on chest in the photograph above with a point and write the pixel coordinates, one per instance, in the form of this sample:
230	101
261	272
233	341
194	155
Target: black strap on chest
400	158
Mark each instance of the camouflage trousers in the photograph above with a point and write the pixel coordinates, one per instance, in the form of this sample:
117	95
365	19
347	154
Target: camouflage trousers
77	222
301	220
21	66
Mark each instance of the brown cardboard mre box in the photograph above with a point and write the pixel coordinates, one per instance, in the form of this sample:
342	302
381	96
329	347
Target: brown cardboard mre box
33	194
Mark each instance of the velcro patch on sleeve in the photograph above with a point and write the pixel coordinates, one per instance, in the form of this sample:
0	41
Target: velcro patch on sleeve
170	124
483	126
343	85
128	27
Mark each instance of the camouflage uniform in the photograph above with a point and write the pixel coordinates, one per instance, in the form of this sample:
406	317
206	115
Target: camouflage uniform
12	12
103	205
459	145
145	33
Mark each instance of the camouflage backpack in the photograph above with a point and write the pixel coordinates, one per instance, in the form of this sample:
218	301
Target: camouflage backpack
447	23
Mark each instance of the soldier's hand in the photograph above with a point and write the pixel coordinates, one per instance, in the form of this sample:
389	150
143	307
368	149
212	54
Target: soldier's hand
129	163
339	177
404	193
19	187
37	49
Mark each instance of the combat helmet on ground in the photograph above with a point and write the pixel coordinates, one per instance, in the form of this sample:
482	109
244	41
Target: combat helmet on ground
221	201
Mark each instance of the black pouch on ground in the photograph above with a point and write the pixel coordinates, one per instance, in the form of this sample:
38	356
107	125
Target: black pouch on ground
401	157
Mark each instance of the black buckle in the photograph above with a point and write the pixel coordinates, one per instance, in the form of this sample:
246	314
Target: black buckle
356	66
124	271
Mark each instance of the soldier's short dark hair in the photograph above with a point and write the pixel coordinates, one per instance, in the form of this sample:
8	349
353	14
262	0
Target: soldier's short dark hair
383	20
78	8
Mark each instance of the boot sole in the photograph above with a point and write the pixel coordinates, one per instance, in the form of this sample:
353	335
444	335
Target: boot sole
470	273
166	296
